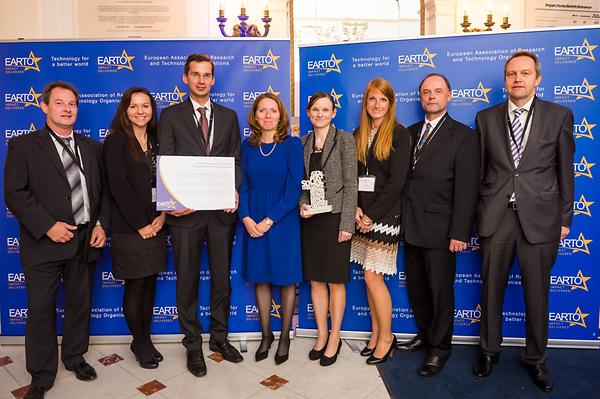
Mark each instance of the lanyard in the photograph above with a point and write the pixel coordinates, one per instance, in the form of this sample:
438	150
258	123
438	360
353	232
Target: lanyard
417	153
74	156
210	124
512	133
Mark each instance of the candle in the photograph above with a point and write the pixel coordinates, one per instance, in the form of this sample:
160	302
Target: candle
490	6
465	8
506	9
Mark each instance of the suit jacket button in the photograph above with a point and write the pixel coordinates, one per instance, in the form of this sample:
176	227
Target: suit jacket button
516	174
68	197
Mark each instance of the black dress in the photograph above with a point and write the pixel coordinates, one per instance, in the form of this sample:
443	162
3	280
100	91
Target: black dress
132	256
324	259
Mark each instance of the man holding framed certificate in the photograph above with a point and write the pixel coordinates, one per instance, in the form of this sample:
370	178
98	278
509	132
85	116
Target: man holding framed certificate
200	127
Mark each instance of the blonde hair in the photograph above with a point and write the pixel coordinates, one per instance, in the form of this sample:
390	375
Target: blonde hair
383	144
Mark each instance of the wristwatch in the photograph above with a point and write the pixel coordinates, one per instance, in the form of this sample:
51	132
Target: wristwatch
268	222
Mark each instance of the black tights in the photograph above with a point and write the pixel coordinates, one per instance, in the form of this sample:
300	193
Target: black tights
138	301
264	300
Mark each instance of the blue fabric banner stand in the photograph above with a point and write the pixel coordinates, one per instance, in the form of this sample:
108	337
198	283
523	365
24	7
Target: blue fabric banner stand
474	65
102	71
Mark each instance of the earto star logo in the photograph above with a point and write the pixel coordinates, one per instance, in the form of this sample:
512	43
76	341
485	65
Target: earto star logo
22	64
469	315
582	207
327	65
580	52
115	63
260	62
576	318
421	60
583	168
275	309
169	97
474	94
577	282
579	244
22	100
583	129
336	98
10	133
585	90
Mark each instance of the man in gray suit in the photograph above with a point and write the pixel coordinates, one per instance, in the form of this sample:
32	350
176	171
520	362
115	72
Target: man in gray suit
525	207
201	127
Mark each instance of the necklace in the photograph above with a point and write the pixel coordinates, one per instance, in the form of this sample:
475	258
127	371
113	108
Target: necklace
269	153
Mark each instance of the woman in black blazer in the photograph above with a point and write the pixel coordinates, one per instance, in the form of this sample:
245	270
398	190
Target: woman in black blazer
383	149
138	240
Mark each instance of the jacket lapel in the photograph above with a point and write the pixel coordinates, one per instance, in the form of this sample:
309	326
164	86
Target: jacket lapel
87	164
534	130
328	145
441	136
47	144
187	114
502	129
218	122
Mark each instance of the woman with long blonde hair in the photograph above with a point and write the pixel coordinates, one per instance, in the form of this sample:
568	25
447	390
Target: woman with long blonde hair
383	149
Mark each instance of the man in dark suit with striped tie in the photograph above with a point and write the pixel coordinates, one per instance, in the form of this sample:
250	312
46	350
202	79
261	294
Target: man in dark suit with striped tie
54	185
525	208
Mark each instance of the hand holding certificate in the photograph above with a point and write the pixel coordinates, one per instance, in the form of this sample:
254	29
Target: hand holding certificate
194	182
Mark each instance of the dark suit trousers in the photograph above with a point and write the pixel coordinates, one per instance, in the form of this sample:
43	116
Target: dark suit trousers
430	281
535	263
43	280
187	246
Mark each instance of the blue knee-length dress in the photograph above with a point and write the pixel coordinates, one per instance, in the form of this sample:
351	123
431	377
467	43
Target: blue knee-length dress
271	186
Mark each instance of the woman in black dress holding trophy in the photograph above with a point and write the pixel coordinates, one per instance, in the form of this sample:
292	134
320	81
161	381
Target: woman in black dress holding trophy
327	206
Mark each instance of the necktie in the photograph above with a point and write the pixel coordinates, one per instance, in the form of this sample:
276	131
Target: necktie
423	138
204	128
517	130
72	171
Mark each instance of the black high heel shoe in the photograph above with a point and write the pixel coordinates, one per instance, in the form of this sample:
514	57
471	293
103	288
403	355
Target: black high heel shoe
328	361
366	351
282	358
316	354
151	364
390	353
262	355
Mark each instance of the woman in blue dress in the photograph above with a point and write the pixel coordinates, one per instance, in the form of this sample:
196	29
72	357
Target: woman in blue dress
272	171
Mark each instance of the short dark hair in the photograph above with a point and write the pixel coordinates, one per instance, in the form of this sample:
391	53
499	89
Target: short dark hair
435	74
317	96
62	85
525	53
198	58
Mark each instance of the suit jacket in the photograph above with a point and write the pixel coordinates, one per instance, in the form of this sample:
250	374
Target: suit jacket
390	176
178	134
440	196
544	180
338	160
37	192
129	184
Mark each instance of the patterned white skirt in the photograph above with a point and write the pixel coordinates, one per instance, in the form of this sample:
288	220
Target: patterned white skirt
378	249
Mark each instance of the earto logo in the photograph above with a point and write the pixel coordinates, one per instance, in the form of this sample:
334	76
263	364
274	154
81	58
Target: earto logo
577	282
574	245
250	96
336	98
114	63
582	207
584	51
12	245
275	309
22	100
580	91
166	313
260	62
22	64
576	318
583	168
10	133
473	94
166	98
583	129
468	316
324	66
424	59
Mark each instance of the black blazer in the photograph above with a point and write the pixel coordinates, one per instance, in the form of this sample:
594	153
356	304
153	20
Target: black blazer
178	134
129	184
37	192
543	182
390	176
440	196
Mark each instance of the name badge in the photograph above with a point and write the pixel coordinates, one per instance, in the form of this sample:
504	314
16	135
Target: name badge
153	194
366	183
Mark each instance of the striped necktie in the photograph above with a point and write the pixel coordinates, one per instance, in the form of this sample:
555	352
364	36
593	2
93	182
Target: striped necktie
423	138
72	171
517	130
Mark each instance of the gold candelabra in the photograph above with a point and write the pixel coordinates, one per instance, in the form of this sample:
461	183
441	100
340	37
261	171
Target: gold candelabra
489	22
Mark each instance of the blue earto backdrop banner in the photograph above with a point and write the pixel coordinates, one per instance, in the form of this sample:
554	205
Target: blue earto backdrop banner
474	65
102	71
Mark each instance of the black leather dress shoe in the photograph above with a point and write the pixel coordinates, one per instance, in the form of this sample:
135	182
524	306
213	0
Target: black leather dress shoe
413	345
195	363
484	365
35	392
540	376
431	366
147	363
226	350
83	371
